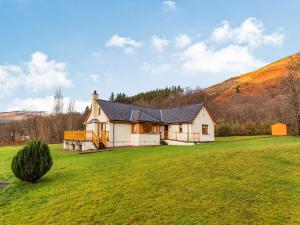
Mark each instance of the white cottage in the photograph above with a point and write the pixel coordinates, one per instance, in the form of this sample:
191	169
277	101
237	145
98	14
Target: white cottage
111	124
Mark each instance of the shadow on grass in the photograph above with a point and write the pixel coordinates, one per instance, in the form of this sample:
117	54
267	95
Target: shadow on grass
17	188
241	138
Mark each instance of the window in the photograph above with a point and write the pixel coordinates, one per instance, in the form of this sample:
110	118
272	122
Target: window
133	128
144	128
103	126
154	128
180	128
99	112
204	129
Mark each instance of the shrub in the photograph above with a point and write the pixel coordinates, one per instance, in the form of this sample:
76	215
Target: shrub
32	162
223	130
250	128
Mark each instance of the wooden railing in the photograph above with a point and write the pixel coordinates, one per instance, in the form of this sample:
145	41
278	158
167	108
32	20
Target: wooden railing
95	139
105	138
182	136
83	135
78	135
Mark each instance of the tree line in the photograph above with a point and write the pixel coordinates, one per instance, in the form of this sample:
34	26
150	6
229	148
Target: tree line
240	115
47	127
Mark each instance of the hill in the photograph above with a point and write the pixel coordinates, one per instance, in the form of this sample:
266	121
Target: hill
201	184
250	103
259	82
18	115
252	83
233	101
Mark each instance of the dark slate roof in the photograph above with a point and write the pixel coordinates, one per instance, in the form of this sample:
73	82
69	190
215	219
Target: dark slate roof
131	113
141	114
181	114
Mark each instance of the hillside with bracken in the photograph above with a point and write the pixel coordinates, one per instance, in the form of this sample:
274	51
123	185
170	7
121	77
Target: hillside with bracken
261	81
243	105
248	103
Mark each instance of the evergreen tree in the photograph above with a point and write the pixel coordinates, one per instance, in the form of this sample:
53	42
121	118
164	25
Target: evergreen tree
112	97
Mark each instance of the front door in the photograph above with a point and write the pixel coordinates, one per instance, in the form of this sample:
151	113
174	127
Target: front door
102	128
166	132
99	129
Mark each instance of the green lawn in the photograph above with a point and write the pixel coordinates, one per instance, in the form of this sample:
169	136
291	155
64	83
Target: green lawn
237	180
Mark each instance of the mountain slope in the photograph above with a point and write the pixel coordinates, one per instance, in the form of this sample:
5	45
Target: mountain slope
252	83
18	115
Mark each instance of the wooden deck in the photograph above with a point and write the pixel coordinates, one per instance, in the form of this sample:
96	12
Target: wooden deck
87	135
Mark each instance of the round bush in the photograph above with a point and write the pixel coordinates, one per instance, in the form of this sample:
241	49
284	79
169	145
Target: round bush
32	162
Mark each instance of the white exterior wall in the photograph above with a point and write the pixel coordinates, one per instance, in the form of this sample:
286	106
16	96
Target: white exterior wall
92	126
172	142
120	134
203	117
79	146
102	118
162	132
174	133
145	139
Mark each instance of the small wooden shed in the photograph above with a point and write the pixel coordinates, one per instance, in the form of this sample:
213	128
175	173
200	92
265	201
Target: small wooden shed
279	129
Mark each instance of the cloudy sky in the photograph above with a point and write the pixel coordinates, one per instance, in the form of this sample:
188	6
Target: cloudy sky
136	45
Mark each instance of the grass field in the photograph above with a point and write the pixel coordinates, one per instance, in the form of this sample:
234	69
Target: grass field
237	180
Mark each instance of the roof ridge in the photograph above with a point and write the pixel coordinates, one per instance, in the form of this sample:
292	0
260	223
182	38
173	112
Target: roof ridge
119	103
145	107
131	115
149	114
139	115
181	106
161	117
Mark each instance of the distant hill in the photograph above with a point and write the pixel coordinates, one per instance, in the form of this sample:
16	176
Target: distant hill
253	83
242	93
18	115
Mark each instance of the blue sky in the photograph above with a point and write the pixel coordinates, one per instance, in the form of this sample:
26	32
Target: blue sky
133	46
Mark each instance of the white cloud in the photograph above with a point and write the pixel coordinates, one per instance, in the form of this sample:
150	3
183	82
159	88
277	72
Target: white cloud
45	74
251	32
182	40
159	43
156	68
275	38
128	50
169	5
199	58
92	77
9	79
126	43
44	104
37	74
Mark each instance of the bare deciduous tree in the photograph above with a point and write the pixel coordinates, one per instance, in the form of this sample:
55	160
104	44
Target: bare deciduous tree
58	102
290	82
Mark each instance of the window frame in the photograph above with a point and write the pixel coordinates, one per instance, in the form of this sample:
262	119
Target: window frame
144	128
180	128
205	129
